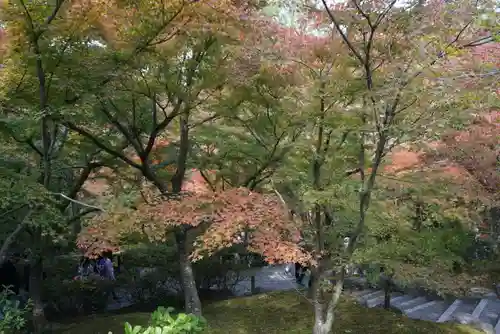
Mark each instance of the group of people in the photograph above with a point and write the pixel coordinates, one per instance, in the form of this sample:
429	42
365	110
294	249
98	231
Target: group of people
103	267
15	271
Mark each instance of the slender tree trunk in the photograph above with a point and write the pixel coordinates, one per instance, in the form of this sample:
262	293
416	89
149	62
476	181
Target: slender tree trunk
192	300
191	297
35	292
8	241
387	292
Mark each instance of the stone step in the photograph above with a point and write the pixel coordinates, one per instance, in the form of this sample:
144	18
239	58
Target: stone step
468	319
401	299
420	307
497	327
371	297
429	311
411	303
447	314
379	300
467	306
479	308
491	312
358	293
364	295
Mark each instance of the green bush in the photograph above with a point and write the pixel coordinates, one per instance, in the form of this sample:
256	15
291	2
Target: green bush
13	316
157	284
162	256
163	322
148	287
77	297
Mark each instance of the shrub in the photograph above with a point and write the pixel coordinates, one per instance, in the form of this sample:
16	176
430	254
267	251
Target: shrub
77	297
12	315
150	272
153	285
163	322
221	272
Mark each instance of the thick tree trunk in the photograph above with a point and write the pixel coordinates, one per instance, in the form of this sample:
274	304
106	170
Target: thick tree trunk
191	298
320	327
35	292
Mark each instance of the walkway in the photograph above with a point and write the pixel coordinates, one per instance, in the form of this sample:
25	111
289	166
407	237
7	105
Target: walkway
482	313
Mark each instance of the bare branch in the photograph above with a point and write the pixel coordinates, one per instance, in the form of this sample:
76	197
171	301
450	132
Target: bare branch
78	202
82	214
101	145
10	239
365	15
52	16
341	32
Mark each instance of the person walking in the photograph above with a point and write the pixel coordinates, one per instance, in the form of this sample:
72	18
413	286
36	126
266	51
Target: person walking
105	269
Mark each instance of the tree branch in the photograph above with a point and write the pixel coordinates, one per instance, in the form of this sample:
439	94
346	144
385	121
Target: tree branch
101	145
52	16
341	32
82	214
10	239
78	202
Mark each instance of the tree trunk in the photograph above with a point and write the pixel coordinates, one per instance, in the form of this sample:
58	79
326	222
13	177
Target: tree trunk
311	289
324	308
320	327
191	298
12	237
387	293
35	292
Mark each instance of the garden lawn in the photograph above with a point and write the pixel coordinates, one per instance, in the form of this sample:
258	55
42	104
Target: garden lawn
278	312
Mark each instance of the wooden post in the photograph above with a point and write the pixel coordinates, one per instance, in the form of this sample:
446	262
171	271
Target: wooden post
252	284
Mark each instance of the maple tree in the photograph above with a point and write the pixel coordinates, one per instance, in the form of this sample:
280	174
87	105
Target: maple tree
222	215
419	201
476	152
51	166
241	144
179	83
396	89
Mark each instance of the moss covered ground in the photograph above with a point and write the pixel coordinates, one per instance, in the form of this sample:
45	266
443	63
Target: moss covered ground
277	312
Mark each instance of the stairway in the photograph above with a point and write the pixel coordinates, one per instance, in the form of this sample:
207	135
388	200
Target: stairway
482	313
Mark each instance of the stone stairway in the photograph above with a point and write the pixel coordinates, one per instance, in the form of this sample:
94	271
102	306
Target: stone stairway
482	313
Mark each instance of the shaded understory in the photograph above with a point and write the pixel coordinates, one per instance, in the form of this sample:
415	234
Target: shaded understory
277	312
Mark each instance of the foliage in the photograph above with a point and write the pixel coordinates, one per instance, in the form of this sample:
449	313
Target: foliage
66	296
428	225
14	317
267	115
163	322
394	86
222	215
